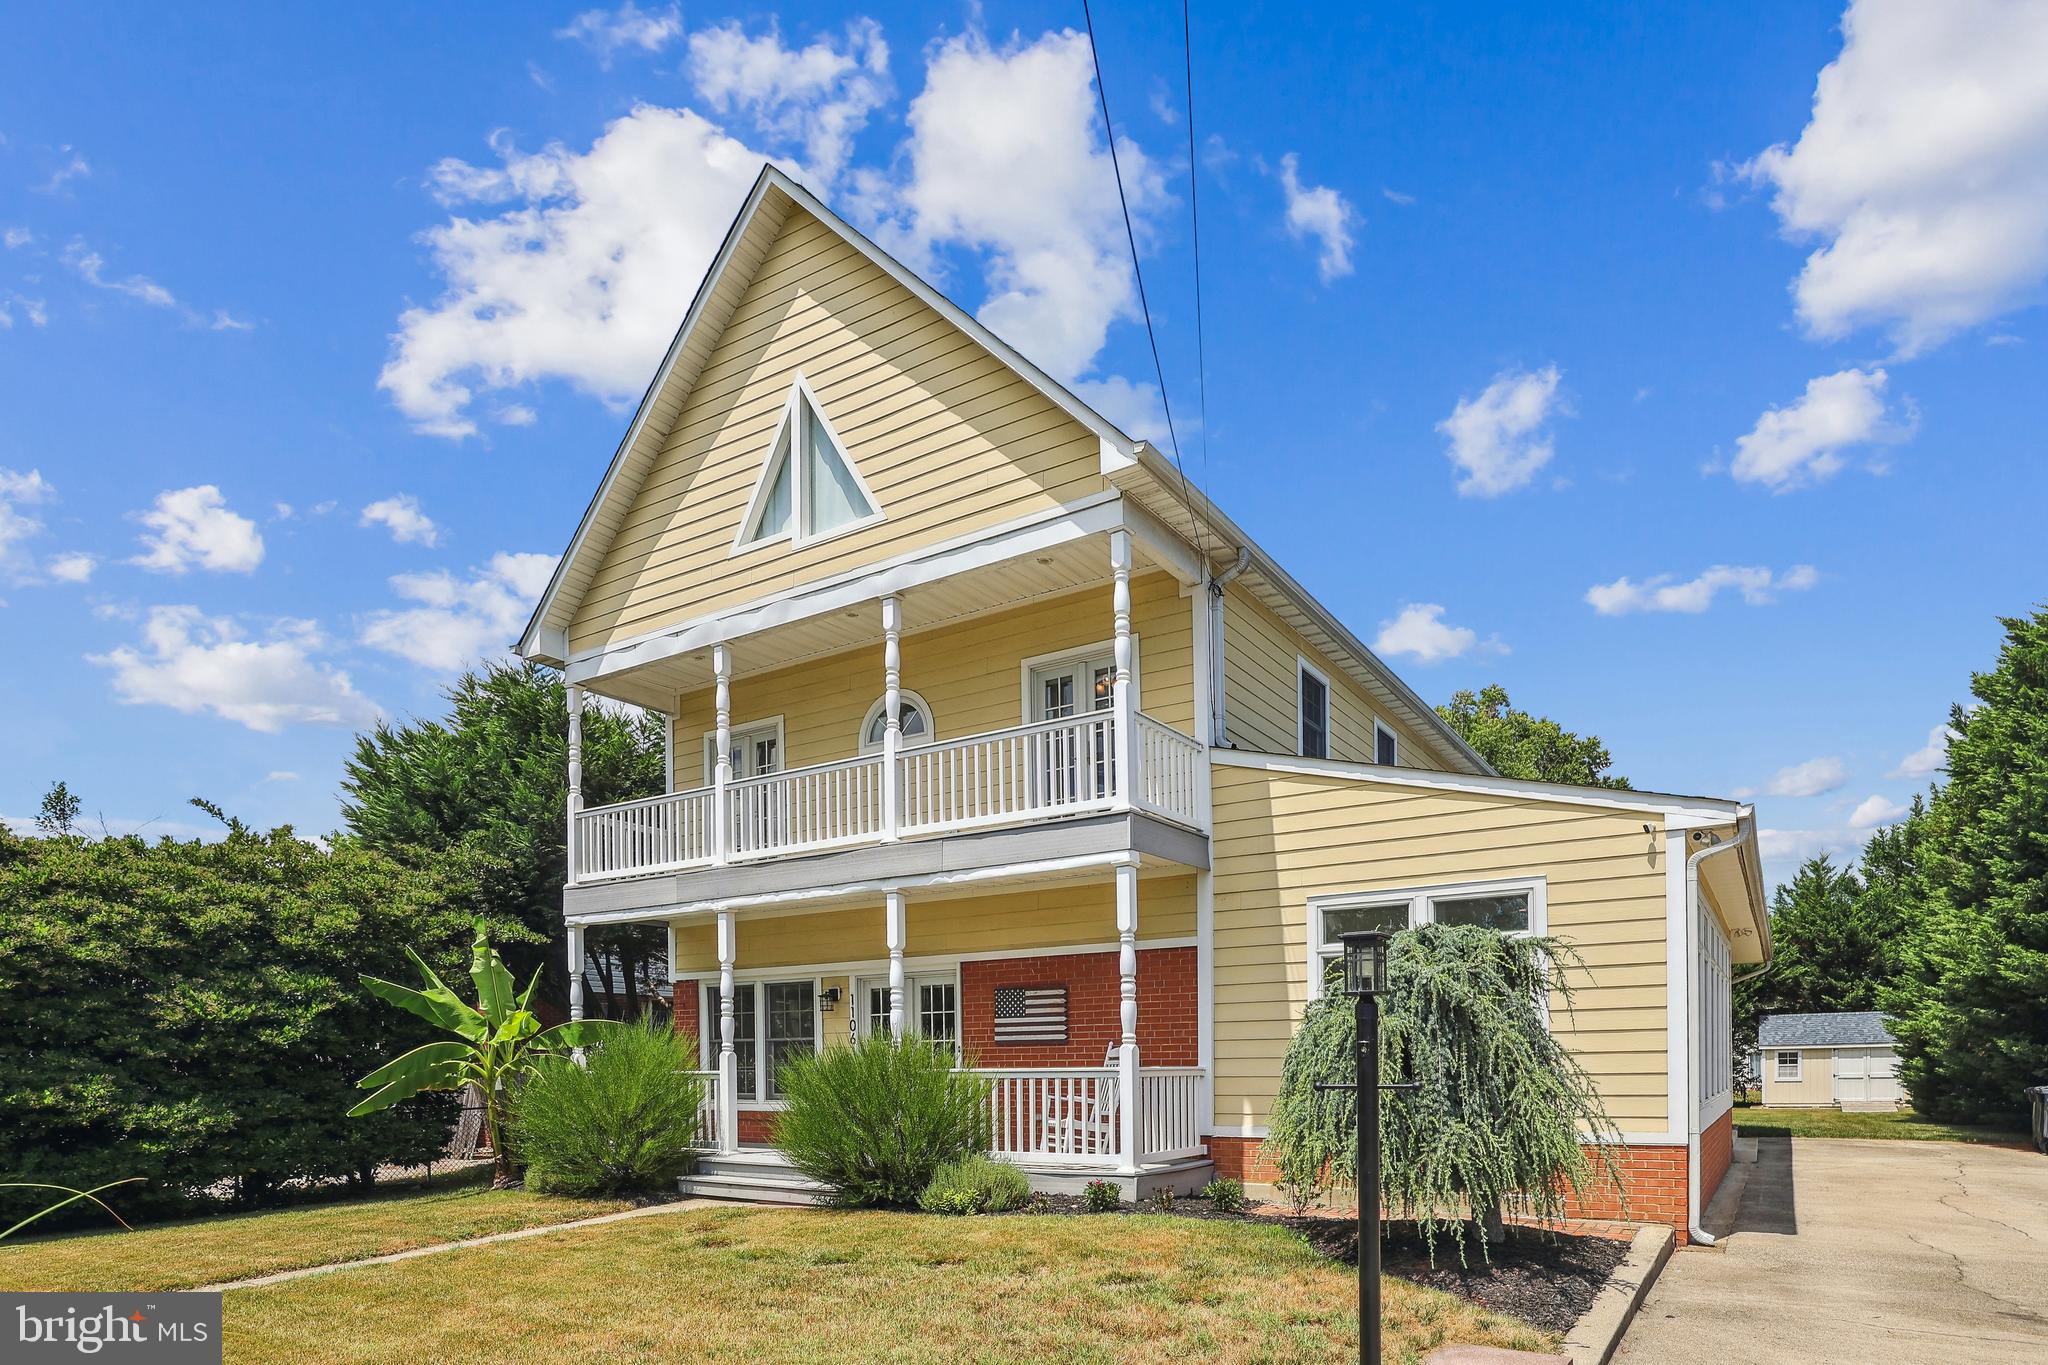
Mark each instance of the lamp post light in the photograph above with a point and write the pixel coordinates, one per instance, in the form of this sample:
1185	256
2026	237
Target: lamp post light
1365	981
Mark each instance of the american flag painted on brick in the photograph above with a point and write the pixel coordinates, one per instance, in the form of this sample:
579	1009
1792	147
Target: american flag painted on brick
1031	1014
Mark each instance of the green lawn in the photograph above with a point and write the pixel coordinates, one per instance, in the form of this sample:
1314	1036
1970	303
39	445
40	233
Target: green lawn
1758	1121
753	1284
211	1250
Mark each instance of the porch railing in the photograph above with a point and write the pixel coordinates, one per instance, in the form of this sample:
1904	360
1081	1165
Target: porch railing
1057	1115
1021	775
1169	1112
705	1134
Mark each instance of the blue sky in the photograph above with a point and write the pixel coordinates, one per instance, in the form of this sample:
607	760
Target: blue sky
1592	355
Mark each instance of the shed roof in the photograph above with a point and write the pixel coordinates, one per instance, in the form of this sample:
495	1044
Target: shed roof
1859	1028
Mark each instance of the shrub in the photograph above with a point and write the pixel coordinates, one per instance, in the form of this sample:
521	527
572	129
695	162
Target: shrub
1101	1197
624	1121
875	1120
975	1184
1224	1194
1162	1199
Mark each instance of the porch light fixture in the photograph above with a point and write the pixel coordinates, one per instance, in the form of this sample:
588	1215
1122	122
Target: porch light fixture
1365	961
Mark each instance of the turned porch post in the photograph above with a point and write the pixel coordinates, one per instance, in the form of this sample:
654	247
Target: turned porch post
728	1059
1127	988
895	930
892	721
575	971
575	698
721	766
1125	740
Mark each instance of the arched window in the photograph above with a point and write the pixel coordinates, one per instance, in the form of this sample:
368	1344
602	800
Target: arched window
912	713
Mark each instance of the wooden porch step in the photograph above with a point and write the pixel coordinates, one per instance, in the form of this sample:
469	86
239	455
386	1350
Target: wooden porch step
757	1175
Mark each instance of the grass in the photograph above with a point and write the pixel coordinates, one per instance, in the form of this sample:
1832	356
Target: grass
793	1284
233	1247
1758	1121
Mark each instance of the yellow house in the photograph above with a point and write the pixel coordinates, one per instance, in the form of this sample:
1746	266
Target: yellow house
984	722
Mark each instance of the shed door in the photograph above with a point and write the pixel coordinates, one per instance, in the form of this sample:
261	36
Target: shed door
1866	1073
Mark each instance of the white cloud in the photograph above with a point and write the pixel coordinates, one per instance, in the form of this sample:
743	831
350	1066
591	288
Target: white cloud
1785	849
516	415
194	527
1875	810
1498	440
1393	196
1814	777
1923	170
582	279
1320	212
1930	758
75	566
280	775
1006	157
818	97
1758	586
1419	632
16	237
458	622
75	167
606	31
18	490
35	310
91	268
193	663
1809	439
401	515
224	321
1134	408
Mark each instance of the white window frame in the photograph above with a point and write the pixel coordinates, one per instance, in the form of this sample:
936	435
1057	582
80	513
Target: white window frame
1303	666
708	1020
905	697
740	732
1379	729
1421	903
1778	1065
1079	655
745	540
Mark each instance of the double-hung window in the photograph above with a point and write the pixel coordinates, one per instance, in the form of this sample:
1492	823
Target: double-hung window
773	1021
1788	1065
1314	710
1510	907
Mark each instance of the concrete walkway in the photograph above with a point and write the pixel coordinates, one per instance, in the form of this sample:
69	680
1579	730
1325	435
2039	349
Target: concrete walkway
1864	1252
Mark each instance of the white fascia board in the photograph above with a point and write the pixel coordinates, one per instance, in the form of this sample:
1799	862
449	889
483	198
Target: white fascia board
1030	535
1160	541
532	644
1657	803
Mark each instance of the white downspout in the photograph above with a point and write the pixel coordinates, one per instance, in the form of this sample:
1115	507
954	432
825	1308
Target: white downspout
1699	1235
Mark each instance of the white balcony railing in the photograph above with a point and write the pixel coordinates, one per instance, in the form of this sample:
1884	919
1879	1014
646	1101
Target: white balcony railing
1028	773
1169	1112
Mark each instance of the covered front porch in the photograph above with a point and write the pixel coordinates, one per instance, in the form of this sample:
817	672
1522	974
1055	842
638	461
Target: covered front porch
1083	1015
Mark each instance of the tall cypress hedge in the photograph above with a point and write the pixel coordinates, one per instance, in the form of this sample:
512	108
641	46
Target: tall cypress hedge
189	1011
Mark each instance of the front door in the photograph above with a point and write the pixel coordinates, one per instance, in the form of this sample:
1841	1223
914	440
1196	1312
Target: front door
931	1006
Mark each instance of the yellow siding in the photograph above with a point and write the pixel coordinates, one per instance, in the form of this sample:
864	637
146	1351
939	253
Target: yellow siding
968	673
1816	1083
1260	699
1058	917
949	440
1282	838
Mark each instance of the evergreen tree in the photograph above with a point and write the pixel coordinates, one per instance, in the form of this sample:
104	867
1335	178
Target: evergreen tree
492	779
1972	1005
1824	956
1533	748
58	815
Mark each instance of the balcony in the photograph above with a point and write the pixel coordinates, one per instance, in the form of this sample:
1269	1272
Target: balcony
1029	774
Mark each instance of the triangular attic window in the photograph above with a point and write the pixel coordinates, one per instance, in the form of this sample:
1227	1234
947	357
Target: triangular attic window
808	488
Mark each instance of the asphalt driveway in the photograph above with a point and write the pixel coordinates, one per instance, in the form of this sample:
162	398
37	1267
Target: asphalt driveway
1864	1252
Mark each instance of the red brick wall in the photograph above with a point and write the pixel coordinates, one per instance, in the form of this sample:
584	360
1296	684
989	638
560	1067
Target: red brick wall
1653	1178
1167	1017
1717	1149
685	1016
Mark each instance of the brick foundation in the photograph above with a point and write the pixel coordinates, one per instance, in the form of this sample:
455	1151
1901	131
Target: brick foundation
684	1016
1717	1150
1653	1178
1167	1023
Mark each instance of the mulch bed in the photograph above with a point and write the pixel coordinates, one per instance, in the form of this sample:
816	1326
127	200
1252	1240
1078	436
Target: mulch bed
1541	1276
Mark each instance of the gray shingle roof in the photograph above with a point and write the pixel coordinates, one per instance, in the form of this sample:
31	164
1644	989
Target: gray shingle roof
1864	1028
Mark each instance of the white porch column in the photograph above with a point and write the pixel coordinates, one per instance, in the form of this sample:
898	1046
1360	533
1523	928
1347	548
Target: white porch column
1126	730
728	1059
575	697
1127	986
575	971
721	766
894	930
892	722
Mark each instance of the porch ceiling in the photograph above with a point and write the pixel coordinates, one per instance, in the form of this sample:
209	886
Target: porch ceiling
1070	567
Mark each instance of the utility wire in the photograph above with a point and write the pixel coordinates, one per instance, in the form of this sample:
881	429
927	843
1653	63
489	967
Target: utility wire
1187	47
1131	236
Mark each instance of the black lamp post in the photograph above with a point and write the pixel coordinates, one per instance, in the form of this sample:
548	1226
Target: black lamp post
1365	980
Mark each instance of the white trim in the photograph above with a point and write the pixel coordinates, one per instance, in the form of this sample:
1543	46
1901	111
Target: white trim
1205	990
1798	1075
1104	649
1661	802
914	963
747	540
903	694
1421	903
1677	973
896	575
739	730
1301	666
1235	1130
1379	728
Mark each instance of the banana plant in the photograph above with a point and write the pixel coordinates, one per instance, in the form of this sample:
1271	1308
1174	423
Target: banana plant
497	1041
